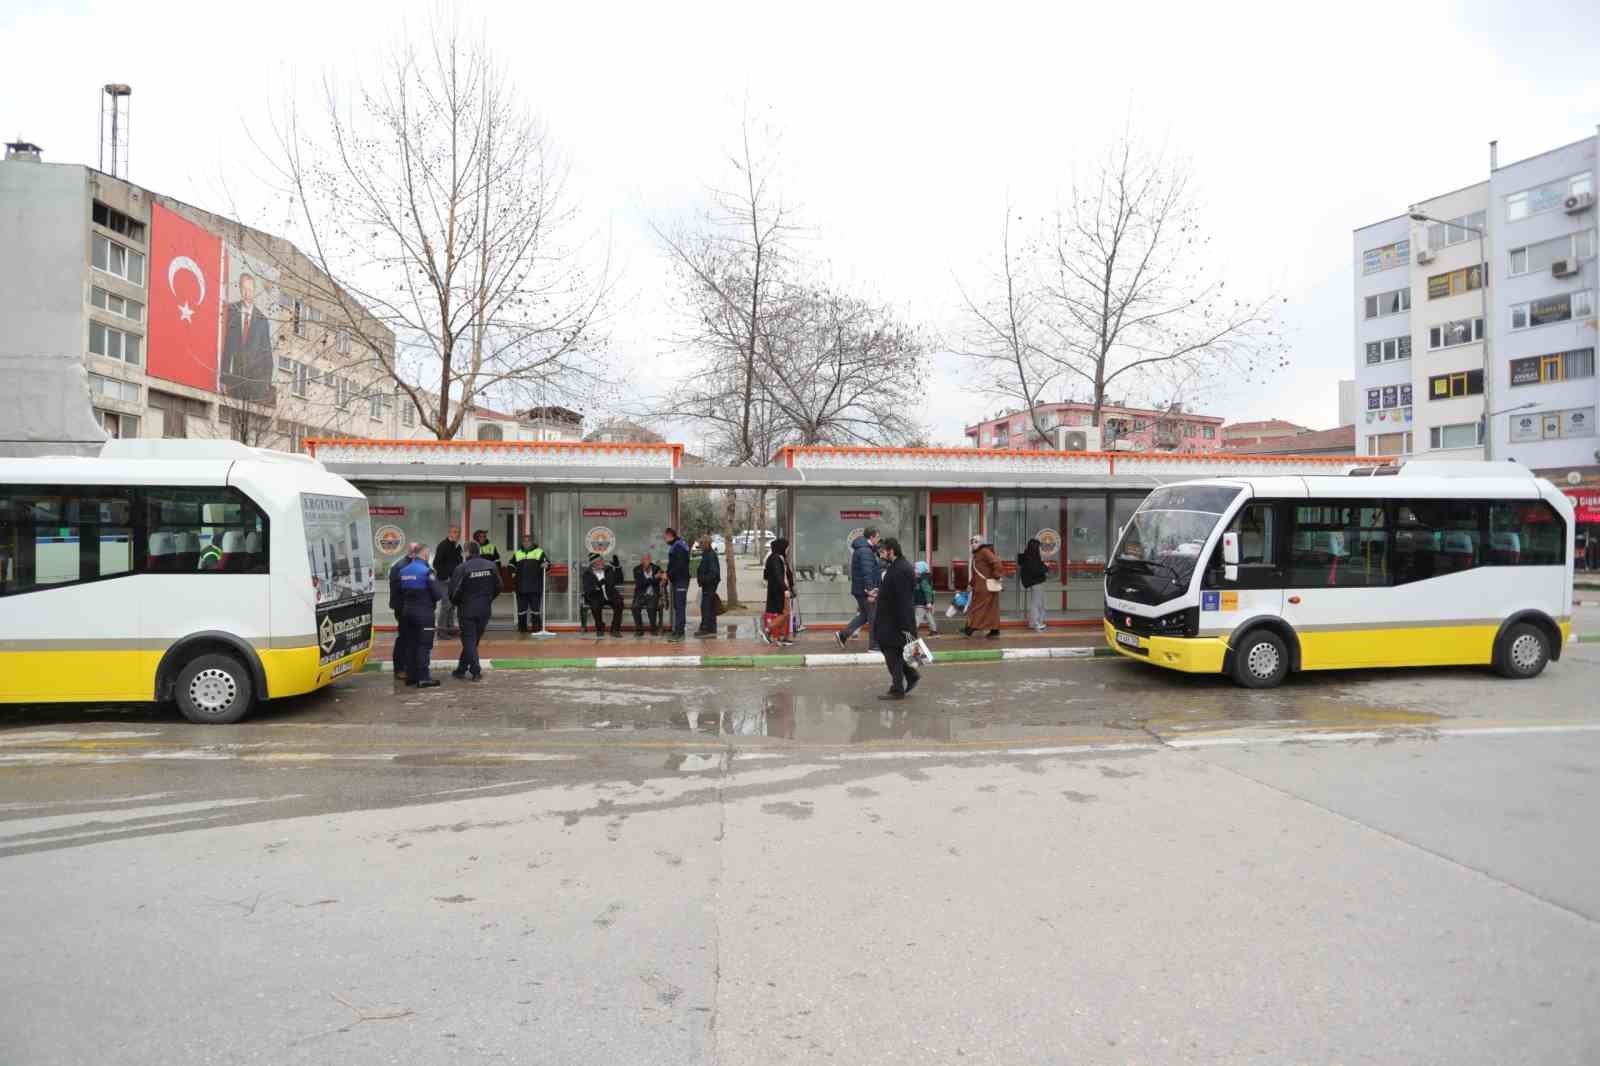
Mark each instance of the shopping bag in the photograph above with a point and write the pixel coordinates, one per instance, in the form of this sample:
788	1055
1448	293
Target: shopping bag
950	611
918	653
795	625
776	623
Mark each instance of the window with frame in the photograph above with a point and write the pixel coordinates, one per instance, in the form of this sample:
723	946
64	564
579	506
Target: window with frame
1533	258
112	388
1525	533
1388	351
1388	396
490	431
1389	444
56	535
1456	230
1338	544
205	530
1557	366
297	318
1459	435
115	343
1457	331
117	222
1256	526
1388	303
118	426
1433	538
300	383
1552	309
1210	432
109	257
110	302
408	413
342	343
1456	282
375	406
1385	257
1458	383
1547	197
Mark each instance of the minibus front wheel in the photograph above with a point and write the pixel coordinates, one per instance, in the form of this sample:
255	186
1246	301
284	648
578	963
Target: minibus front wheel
1261	659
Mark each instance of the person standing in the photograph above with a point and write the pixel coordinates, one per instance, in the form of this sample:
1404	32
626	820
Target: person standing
420	593
473	588
780	594
983	611
895	621
864	573
527	576
402	635
923	597
446	557
596	591
614	580
647	580
710	576
1032	572
678	579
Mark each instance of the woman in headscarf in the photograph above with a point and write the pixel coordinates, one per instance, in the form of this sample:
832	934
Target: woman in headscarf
780	592
983	612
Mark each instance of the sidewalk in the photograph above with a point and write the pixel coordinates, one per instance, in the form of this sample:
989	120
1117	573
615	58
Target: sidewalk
736	646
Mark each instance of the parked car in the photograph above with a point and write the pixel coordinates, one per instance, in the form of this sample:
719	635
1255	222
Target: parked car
748	540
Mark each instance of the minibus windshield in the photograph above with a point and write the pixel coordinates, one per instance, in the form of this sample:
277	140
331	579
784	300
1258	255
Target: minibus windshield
1169	531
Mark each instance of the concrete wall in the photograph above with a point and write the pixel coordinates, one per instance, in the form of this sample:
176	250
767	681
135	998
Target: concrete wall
44	213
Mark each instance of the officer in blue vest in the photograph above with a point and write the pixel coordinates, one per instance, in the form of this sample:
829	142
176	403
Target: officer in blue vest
420	593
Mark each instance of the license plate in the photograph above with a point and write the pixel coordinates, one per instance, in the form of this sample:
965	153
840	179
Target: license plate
345	667
1129	639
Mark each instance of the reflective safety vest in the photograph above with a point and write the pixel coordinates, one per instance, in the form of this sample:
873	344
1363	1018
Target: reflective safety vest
211	557
519	555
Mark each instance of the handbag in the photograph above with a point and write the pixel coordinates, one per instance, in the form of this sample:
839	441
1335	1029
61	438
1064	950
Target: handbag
992	584
716	605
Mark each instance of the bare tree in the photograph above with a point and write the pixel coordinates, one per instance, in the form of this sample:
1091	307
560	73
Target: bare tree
843	370
434	195
1121	292
729	264
1005	331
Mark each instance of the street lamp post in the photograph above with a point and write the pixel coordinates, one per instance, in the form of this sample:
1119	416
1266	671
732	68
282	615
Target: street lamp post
1483	290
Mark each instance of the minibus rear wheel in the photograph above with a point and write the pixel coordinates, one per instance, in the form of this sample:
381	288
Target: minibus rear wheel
1522	653
214	689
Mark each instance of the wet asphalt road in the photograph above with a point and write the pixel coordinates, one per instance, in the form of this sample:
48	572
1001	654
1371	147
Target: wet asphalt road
1061	861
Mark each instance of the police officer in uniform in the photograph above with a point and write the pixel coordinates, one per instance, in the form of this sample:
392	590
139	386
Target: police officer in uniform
402	638
420	593
473	588
527	572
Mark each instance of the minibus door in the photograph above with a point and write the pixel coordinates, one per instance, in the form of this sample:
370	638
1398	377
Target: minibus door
1234	593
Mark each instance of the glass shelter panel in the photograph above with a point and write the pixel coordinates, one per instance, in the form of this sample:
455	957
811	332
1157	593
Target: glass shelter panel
825	523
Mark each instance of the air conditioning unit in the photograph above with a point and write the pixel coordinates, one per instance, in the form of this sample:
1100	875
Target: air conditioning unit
1563	268
1077	438
1424	257
1579	202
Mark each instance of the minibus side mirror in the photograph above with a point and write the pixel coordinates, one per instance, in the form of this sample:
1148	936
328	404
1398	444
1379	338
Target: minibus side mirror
1230	557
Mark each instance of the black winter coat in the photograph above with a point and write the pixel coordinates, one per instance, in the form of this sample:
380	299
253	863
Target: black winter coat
1031	569
897	614
446	557
779	581
710	572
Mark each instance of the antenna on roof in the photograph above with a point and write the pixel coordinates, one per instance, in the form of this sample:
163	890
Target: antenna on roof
114	113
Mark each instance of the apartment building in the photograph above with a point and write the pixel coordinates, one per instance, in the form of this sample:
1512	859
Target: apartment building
1475	318
189	324
1134	428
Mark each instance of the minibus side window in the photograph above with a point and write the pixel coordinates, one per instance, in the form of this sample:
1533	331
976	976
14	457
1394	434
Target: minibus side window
1437	537
57	535
1339	544
203	530
1525	533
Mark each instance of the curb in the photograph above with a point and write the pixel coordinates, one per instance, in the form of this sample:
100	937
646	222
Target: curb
779	662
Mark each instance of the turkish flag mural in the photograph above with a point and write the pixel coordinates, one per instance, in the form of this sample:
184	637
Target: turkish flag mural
186	279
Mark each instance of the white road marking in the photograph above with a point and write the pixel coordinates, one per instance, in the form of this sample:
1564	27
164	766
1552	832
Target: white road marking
87	819
55	736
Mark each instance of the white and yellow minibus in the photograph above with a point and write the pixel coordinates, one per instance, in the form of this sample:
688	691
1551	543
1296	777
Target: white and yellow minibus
203	572
1421	564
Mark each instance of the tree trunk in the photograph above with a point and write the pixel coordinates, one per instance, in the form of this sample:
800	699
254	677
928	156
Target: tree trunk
730	505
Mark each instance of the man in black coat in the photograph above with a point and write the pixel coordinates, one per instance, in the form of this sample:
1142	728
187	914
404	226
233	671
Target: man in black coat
677	580
473	588
597	591
895	623
647	581
446	557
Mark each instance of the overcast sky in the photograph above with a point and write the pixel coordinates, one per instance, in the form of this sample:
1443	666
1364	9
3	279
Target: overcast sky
905	128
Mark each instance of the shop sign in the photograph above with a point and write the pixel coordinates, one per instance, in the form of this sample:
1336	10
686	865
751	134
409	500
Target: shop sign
600	540
386	512
1587	504
1525	371
1049	543
391	540
605	512
856	516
